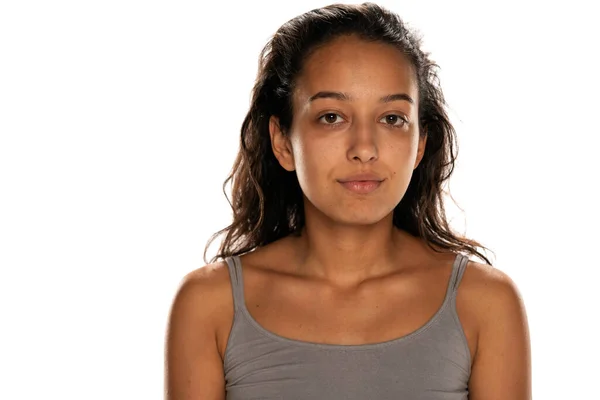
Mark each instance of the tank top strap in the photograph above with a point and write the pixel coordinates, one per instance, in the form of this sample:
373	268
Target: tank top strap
237	281
458	269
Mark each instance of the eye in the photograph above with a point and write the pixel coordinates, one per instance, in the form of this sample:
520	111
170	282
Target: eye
330	118
394	120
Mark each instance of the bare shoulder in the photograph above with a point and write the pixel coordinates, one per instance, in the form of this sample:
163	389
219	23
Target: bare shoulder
489	287
193	363
208	280
204	292
502	363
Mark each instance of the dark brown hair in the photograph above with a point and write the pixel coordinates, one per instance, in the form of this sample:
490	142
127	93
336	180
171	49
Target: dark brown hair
267	200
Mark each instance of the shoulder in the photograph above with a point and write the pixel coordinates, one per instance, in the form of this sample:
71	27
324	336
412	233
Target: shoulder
204	297
494	299
202	284
193	363
490	287
501	366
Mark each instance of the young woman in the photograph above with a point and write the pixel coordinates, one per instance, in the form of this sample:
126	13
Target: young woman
340	277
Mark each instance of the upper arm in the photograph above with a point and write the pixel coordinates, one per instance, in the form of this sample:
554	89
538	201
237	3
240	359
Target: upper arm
193	366
502	365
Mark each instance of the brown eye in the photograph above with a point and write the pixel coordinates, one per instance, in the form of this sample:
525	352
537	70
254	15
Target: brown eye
329	118
395	120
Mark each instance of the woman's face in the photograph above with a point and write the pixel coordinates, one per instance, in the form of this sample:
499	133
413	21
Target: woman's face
355	112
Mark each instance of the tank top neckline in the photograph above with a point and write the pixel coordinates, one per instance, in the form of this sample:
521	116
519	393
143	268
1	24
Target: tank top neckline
241	305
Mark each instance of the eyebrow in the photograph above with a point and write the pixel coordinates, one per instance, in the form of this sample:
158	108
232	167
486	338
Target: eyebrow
345	97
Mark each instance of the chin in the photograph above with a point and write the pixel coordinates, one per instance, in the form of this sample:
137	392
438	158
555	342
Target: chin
364	216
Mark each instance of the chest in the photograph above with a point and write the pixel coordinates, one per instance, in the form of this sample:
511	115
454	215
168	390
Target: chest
263	369
260	366
373	313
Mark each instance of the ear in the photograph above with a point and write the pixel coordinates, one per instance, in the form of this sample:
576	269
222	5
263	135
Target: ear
281	145
420	149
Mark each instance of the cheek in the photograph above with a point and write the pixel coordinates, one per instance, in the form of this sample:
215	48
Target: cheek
407	151
401	160
307	162
314	162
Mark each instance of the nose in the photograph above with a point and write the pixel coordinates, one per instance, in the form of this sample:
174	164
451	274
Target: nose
363	144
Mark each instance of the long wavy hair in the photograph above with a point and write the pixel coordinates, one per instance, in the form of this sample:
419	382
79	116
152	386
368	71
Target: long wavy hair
268	201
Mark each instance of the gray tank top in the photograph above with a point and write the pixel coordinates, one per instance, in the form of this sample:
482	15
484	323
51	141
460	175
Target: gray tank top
432	362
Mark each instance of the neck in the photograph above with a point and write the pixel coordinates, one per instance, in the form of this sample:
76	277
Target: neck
349	254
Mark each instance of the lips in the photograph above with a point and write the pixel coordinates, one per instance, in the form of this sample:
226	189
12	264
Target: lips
361	187
362	183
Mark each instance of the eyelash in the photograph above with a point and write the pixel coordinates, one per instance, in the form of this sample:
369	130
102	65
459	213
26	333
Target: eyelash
400	117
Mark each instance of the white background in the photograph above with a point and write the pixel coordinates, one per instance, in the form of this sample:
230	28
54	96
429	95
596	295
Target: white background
119	122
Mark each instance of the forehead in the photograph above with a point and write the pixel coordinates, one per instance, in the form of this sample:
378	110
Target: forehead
353	65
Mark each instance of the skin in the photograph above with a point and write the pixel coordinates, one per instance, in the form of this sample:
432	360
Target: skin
351	277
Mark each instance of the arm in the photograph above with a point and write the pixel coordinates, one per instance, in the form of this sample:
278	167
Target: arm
193	366
502	364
